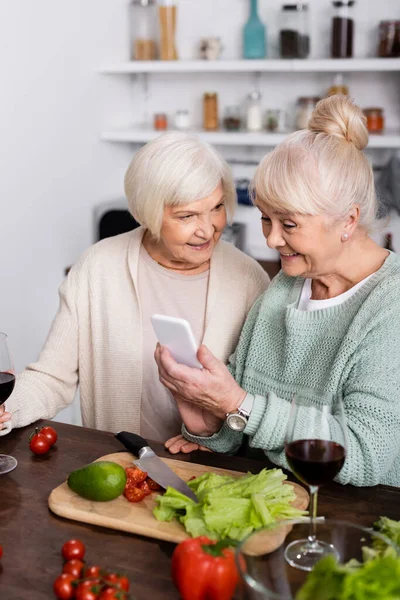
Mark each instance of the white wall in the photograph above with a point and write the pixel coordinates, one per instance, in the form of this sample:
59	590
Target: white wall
53	104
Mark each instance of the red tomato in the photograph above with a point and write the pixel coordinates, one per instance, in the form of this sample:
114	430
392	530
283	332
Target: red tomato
131	483
123	583
136	474
153	485
144	486
1	551
134	494
63	588
111	593
73	549
85	592
39	444
74	567
92	571
50	434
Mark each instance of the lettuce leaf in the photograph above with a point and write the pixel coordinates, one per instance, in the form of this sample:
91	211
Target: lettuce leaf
230	507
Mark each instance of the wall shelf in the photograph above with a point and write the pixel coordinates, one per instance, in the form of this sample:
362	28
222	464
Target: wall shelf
327	65
223	138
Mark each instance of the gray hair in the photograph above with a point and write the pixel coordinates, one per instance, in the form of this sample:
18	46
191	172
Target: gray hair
176	168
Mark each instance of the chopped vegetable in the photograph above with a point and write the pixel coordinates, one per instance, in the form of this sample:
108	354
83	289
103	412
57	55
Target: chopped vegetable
230	507
377	578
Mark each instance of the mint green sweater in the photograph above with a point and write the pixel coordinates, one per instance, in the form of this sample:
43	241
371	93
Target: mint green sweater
352	350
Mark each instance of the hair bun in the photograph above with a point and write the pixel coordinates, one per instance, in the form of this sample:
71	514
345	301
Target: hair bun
340	117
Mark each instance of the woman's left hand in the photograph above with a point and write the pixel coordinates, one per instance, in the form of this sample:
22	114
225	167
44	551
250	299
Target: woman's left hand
181	444
212	388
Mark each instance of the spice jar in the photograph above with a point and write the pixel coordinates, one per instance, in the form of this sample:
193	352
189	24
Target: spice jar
182	121
210	111
305	107
294	35
254	117
338	86
143	29
375	119
389	39
160	121
167	14
232	118
342	29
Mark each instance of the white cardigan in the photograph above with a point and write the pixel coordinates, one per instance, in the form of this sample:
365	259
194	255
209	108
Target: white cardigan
96	336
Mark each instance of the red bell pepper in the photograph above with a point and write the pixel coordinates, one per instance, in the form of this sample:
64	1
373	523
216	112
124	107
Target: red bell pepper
203	569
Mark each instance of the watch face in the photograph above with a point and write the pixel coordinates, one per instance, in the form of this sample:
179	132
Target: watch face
236	422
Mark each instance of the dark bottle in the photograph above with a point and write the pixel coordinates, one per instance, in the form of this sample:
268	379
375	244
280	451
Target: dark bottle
342	30
294	37
388	242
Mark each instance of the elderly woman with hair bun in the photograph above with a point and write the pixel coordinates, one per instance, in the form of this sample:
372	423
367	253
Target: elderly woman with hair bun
329	321
181	191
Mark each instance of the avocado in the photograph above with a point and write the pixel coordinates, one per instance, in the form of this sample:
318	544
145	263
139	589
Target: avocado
100	481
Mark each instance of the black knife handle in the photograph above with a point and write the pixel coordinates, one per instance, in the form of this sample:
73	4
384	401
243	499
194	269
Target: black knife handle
132	442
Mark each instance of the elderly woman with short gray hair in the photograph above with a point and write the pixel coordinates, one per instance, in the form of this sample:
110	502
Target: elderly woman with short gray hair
329	321
181	191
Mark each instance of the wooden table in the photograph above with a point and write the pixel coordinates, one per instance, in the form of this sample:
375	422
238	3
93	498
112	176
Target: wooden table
32	536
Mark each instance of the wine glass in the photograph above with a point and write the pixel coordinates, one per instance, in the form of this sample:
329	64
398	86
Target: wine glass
315	448
7	382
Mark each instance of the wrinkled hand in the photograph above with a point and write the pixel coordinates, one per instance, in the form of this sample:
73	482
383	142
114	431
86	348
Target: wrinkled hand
181	444
212	388
4	416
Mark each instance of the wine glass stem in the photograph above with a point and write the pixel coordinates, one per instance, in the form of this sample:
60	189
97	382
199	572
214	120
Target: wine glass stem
313	514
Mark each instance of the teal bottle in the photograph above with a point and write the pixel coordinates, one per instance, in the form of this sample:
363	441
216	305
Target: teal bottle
254	35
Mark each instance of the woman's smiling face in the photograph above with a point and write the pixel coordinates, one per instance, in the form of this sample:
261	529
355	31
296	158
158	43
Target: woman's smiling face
308	245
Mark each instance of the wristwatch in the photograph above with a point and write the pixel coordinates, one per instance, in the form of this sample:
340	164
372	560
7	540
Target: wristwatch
237	420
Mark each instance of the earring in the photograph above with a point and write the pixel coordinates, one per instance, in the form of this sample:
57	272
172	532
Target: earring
345	236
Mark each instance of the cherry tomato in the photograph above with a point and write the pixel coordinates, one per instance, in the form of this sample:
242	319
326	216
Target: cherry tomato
144	486
73	549
50	434
38	443
153	485
92	571
63	588
123	583
131	483
134	494
1	551
74	567
111	593
136	474
85	592
94	584
118	581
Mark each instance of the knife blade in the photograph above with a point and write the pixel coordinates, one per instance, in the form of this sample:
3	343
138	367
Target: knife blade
151	463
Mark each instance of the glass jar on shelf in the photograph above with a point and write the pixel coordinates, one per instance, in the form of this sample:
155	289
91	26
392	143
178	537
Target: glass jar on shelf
254	116
276	120
160	122
167	13
389	39
232	118
182	120
143	29
305	107
375	119
210	111
342	29
294	34
338	86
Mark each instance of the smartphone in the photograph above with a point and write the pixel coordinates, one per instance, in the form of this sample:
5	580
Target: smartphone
177	335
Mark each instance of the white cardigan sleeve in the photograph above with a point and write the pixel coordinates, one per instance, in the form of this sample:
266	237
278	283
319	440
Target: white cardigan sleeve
48	385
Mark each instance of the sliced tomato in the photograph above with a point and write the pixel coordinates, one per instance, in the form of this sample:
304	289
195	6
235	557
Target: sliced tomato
153	485
134	494
136	474
144	486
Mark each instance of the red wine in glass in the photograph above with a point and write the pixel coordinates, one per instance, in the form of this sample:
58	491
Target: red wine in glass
7	383
315	448
315	462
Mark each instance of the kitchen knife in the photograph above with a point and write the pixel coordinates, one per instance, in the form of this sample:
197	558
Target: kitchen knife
152	464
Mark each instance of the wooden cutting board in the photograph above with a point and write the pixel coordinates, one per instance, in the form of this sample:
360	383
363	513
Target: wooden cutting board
138	517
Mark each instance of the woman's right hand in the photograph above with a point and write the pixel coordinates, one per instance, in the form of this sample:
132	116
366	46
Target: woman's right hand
4	416
181	444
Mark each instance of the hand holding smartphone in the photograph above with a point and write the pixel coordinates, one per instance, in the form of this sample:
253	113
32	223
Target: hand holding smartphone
176	335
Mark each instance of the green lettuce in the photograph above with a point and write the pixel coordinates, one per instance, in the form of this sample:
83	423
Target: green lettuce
230	507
